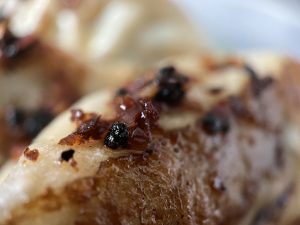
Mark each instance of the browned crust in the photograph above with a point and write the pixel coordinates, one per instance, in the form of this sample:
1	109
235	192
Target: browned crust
188	176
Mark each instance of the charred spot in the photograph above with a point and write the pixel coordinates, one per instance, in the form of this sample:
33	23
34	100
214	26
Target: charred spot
170	86
67	155
31	154
214	123
36	121
258	84
117	136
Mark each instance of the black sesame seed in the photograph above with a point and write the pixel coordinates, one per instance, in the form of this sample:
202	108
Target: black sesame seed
67	155
36	122
213	123
117	136
170	86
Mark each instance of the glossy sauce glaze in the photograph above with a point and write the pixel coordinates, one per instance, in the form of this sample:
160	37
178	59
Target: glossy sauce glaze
136	116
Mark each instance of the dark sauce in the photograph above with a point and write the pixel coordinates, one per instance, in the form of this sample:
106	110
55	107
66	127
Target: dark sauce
90	129
136	117
141	116
132	127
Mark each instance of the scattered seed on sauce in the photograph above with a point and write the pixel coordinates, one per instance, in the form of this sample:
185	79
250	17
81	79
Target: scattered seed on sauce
117	136
31	154
170	86
212	123
67	155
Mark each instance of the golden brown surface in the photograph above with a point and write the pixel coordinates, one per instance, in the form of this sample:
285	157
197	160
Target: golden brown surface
244	174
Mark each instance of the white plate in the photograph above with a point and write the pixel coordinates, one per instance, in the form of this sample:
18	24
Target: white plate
241	25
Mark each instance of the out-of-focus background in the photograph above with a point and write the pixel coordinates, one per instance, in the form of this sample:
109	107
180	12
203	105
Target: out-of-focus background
237	25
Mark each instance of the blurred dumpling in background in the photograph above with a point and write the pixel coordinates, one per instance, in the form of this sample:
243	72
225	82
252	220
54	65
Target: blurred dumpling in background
93	30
